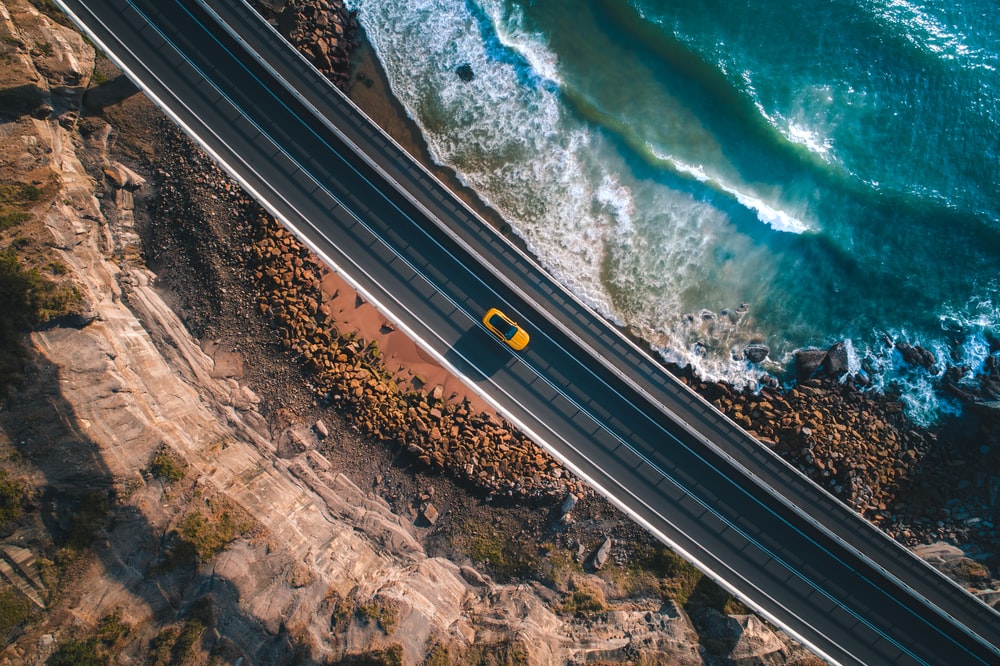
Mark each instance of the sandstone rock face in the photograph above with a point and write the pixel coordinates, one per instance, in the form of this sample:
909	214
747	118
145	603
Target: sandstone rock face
324	552
132	386
665	636
952	561
740	639
46	67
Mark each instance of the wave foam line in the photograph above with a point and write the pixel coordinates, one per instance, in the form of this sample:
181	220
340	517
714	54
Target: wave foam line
773	217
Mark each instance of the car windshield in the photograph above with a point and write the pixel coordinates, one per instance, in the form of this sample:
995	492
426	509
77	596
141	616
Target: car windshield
503	326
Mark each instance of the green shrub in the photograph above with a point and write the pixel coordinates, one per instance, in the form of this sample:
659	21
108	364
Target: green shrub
29	191
440	654
507	653
15	199
11	218
167	465
161	648
78	652
208	535
506	557
390	656
384	612
585	600
111	629
677	577
27	298
189	636
15	610
12	496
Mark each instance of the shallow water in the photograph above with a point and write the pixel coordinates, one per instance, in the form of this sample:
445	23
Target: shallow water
829	163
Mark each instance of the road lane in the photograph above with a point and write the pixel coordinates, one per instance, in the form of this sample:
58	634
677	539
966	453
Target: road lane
312	177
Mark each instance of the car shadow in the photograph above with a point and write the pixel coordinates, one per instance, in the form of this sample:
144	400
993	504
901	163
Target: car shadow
477	354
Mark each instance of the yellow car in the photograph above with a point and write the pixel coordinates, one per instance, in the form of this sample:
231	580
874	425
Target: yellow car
505	329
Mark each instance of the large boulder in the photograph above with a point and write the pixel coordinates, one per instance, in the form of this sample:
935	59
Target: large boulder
739	639
807	362
324	32
831	363
756	352
917	356
601	556
835	363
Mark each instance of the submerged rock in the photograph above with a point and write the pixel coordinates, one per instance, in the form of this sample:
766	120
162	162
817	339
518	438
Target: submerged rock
465	72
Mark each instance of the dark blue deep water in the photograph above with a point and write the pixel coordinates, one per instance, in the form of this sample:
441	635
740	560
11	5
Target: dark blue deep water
831	164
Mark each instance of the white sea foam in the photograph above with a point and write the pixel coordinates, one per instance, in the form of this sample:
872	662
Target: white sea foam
618	200
530	46
637	251
507	140
970	328
775	218
809	126
768	213
810	138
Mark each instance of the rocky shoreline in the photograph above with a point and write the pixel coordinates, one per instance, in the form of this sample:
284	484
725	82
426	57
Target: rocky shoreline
917	484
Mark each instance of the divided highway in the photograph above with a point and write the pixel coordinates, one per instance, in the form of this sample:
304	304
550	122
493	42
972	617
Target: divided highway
604	407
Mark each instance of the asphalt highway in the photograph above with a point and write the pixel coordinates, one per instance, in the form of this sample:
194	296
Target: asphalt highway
599	403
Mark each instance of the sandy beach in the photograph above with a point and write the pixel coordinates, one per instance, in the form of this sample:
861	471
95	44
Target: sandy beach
409	364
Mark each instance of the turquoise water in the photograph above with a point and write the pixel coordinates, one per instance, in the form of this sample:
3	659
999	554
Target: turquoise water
718	173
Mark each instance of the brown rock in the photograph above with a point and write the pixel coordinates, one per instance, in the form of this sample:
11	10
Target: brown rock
430	513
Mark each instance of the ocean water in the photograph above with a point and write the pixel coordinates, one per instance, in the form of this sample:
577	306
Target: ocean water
722	172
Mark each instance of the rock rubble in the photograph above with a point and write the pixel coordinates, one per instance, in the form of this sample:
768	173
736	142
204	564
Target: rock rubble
323	32
859	447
